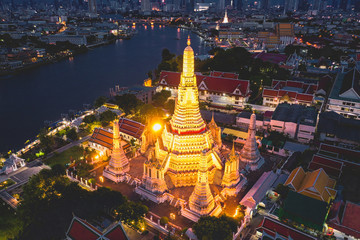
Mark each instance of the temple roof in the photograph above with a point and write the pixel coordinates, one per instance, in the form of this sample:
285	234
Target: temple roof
316	184
344	217
105	138
273	227
80	229
209	83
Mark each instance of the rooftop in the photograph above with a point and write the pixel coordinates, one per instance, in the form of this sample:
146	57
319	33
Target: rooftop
341	127
304	210
295	113
347	86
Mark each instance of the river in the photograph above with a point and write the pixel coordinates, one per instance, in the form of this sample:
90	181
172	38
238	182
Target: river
29	98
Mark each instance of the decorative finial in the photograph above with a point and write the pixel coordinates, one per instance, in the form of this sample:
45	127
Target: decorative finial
253	111
233	149
188	40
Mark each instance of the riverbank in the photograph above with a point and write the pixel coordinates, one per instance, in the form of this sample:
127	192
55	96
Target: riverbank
29	98
56	58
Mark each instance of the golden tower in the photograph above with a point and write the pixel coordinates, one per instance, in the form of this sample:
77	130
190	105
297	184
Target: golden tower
119	163
179	148
231	170
201	200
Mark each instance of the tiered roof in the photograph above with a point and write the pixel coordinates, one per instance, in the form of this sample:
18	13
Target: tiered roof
80	229
344	217
330	166
295	90
210	83
131	127
105	139
273	227
316	184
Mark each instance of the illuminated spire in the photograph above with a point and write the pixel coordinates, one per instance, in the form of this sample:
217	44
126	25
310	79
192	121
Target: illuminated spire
226	20
232	153
188	77
187	113
250	153
201	199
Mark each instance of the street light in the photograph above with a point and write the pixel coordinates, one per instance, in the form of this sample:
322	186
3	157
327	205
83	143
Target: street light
156	127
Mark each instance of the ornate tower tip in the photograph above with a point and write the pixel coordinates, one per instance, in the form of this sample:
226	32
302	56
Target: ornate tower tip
253	111
188	40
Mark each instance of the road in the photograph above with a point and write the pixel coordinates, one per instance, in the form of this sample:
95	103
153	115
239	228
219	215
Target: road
22	175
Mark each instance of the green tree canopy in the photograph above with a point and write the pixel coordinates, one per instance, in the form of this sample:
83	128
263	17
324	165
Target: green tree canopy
107	116
213	228
89	119
72	134
100	101
160	98
128	103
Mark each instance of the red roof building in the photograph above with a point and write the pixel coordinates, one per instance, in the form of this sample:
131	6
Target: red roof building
80	229
290	92
348	157
102	140
331	166
219	88
130	129
272	229
344	219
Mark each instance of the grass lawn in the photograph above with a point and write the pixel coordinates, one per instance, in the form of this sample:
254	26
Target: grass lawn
10	224
63	158
6	183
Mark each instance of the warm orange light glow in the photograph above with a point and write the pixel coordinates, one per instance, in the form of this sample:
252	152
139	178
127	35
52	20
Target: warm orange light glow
101	178
157	127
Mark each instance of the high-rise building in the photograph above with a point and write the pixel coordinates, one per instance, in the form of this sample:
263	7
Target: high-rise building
291	5
221	5
145	6
263	4
92	6
318	5
345	5
239	5
303	5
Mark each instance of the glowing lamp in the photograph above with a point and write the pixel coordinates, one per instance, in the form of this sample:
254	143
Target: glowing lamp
101	178
156	127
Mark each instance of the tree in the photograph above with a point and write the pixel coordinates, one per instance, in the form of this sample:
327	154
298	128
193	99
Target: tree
89	119
164	220
160	98
131	212
129	103
166	55
107	117
100	101
58	170
72	134
46	141
213	228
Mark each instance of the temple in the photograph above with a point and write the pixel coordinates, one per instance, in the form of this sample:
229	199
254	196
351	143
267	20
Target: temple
186	155
187	151
231	178
119	163
250	154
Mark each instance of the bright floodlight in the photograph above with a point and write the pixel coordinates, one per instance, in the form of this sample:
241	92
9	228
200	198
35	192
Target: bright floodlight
156	127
